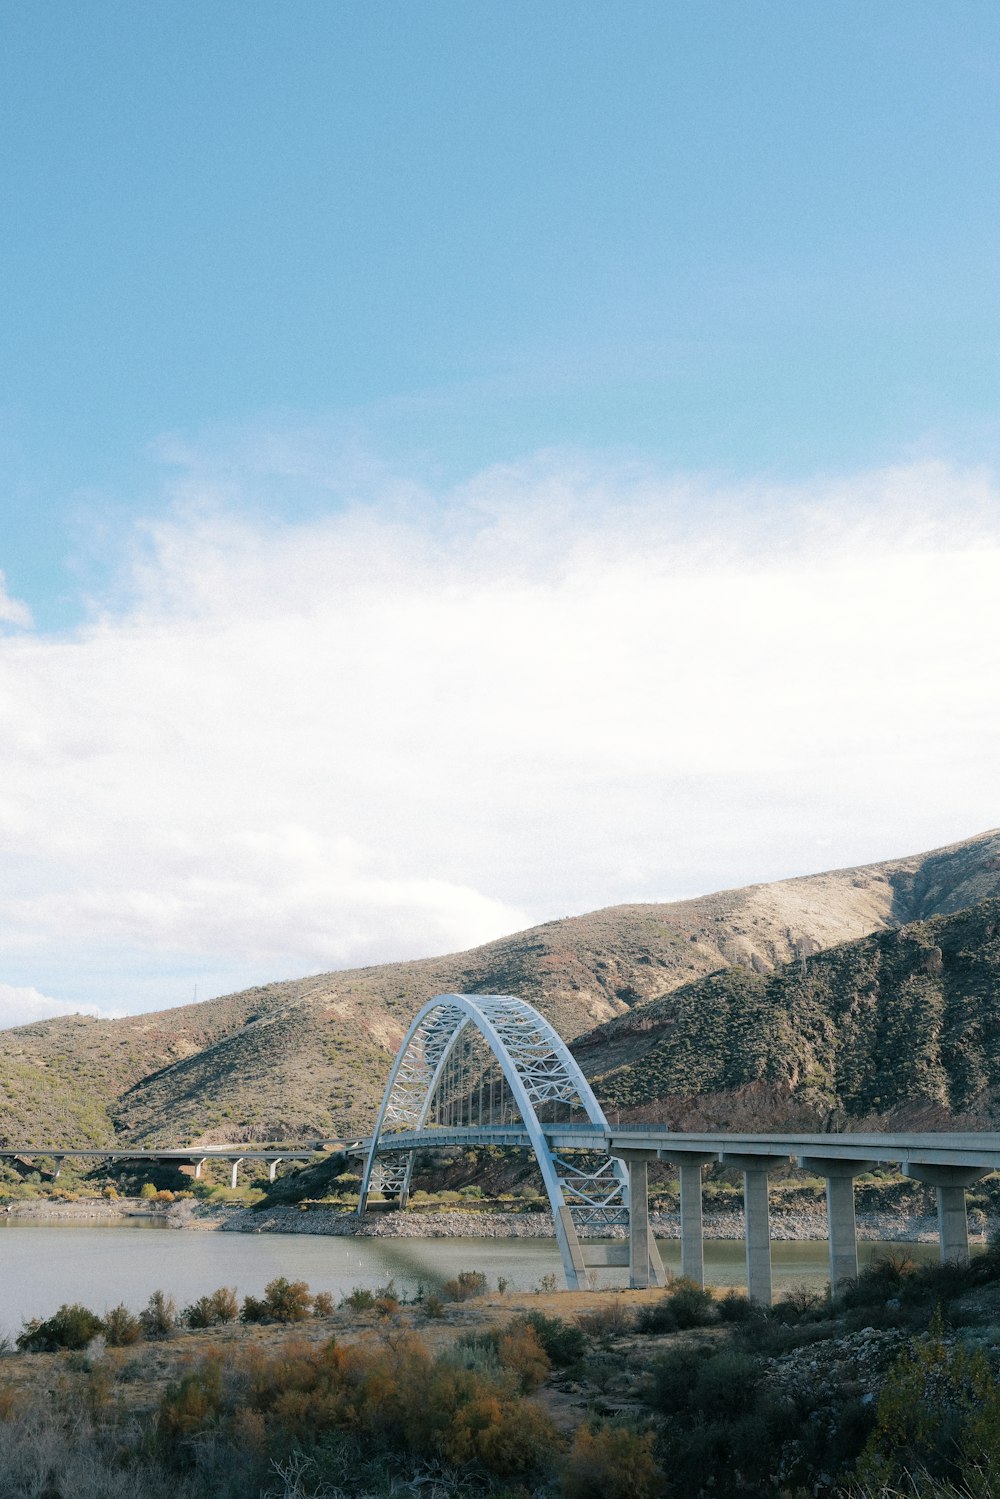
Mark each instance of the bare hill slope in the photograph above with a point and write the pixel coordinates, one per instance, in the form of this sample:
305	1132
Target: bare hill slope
311	1055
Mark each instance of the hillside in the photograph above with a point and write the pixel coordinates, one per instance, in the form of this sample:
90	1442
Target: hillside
311	1055
898	1029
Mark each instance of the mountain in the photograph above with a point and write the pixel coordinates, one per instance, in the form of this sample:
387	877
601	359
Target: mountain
310	1056
900	1029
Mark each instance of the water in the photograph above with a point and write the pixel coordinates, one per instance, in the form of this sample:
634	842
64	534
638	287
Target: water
43	1266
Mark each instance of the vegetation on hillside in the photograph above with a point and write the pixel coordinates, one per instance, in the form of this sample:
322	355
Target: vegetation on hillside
901	1025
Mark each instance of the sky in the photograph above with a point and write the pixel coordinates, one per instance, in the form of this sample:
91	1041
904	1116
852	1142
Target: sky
466	465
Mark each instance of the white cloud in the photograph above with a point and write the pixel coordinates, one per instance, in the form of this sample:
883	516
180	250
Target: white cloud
21	1004
13	611
415	724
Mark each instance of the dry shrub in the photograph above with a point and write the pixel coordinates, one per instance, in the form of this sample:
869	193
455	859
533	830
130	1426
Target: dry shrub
192	1404
159	1316
509	1438
612	1463
11	1402
121	1329
520	1352
323	1304
463	1417
466	1285
209	1311
612	1320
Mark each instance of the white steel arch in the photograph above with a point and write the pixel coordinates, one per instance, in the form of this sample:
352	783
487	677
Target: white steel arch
539	1069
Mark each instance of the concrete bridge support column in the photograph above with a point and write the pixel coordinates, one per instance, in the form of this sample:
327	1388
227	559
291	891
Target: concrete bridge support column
236	1167
272	1170
645	1268
689	1165
953	1225
842	1227
199	1168
758	1222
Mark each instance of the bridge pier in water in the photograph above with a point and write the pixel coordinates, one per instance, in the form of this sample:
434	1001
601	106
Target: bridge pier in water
841	1223
951	1183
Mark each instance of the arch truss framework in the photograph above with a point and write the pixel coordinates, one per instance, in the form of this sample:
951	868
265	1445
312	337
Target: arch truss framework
442	1076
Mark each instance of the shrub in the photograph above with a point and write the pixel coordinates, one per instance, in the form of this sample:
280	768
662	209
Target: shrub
70	1327
147	1192
360	1299
323	1304
735	1307
612	1320
121	1329
209	1311
684	1306
466	1285
432	1306
611	1463
563	1343
159	1316
190	1405
520	1352
801	1305
284	1301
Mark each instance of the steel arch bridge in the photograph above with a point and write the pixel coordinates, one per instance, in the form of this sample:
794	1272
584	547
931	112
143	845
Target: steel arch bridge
489	1067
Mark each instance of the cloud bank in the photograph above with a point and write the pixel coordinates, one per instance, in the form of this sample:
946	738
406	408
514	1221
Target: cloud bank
424	720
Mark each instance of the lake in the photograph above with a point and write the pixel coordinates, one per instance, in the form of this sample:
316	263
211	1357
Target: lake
42	1266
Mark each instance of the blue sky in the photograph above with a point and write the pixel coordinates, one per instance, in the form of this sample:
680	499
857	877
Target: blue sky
509	281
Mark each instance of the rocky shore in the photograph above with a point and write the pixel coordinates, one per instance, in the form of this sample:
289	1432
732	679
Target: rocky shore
210	1217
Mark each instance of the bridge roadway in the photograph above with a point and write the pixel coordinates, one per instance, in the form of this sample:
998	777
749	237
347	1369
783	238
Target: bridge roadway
198	1156
949	1162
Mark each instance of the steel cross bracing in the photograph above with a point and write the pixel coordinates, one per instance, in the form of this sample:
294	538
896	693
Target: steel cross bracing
437	1078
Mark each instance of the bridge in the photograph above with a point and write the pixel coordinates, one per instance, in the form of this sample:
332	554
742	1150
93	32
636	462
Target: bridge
197	1156
487	1069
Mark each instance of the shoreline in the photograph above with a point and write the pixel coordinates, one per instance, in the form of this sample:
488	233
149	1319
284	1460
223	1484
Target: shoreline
883	1226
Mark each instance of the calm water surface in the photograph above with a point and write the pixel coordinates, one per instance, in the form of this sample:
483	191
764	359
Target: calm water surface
44	1266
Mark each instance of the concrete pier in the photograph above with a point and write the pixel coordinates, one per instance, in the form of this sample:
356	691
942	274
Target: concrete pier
757	1217
953	1224
842	1227
689	1164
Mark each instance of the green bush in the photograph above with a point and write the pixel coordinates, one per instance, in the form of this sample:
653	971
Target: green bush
360	1299
209	1311
284	1301
562	1342
121	1328
70	1327
159	1316
735	1307
684	1306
